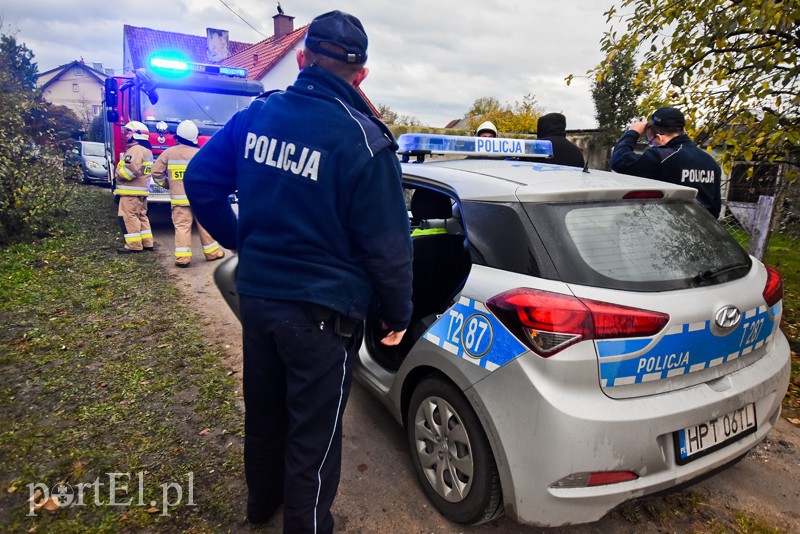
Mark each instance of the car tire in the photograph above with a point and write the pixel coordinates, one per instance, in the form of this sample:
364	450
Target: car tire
454	461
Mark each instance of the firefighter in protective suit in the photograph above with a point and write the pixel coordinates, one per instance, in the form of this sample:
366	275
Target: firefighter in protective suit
132	187
168	172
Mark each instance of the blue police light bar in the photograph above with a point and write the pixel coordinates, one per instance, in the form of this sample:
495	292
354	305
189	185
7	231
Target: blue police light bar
169	64
180	67
423	144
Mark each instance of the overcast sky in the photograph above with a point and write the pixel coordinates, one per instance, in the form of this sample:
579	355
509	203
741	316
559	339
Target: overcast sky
428	58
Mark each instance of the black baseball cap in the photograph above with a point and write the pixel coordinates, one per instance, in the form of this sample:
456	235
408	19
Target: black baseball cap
340	29
668	118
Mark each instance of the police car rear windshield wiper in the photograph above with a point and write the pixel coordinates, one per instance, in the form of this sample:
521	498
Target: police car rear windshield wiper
709	275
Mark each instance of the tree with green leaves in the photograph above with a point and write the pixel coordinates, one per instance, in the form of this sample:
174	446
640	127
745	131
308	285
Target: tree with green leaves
520	117
387	114
615	99
18	61
731	66
54	125
392	118
33	194
483	106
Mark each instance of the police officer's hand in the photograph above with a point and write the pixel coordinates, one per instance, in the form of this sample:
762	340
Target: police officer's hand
638	126
393	338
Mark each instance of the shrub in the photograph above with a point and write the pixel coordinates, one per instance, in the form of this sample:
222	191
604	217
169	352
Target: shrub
33	194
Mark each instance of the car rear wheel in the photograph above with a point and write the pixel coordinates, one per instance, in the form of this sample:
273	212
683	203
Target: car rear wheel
452	455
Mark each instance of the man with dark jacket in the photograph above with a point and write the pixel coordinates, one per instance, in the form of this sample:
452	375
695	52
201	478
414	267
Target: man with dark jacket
553	127
322	226
672	157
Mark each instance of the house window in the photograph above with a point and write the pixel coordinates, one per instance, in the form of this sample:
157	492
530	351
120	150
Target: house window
78	71
96	110
74	87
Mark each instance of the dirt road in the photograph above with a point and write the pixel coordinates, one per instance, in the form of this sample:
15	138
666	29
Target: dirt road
379	490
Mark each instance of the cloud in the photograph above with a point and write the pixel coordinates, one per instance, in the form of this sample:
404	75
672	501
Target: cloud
427	59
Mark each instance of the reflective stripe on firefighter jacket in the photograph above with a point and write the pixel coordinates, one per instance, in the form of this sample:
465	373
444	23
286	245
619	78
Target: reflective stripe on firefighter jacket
133	172
168	172
169	168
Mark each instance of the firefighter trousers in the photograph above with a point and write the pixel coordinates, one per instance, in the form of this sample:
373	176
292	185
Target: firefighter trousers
182	219
132	215
296	380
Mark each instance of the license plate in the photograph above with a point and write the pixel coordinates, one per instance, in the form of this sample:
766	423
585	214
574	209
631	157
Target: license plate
695	441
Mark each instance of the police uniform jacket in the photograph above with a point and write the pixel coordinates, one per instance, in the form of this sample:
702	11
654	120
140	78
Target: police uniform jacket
322	217
133	172
679	162
172	164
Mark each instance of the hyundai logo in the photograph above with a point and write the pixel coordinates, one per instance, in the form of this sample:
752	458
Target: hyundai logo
728	317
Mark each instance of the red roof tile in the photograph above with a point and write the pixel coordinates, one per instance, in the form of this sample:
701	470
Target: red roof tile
260	58
142	42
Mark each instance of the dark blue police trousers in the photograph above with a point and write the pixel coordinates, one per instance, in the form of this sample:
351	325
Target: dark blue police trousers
296	382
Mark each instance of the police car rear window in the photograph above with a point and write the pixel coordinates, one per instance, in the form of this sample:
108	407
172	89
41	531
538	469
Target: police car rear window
642	245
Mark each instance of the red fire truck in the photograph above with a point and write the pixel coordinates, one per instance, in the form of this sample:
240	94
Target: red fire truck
166	93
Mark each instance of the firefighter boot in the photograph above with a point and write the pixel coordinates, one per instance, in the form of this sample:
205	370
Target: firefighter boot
183	262
216	255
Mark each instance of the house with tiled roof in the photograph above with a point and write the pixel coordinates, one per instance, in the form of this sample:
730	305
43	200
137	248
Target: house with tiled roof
139	44
271	61
77	86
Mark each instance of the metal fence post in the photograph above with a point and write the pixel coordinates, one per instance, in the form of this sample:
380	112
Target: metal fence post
760	231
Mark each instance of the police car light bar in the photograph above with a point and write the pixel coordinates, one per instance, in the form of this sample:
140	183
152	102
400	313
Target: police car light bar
180	67
424	144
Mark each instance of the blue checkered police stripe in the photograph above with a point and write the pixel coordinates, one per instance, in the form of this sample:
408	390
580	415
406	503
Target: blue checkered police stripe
469	331
684	349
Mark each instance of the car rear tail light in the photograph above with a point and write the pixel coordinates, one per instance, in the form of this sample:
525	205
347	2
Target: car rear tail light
643	194
550	322
600	478
773	290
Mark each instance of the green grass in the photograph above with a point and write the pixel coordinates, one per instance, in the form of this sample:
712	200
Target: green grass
784	254
103	371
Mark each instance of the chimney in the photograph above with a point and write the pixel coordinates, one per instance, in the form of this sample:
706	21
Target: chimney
216	44
284	24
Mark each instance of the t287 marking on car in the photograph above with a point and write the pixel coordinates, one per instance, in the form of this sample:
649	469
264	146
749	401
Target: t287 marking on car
468	331
686	348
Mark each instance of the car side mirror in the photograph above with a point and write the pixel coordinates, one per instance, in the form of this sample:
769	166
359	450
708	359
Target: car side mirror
112	92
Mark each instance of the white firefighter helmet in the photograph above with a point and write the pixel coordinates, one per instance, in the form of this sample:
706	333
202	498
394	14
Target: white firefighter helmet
487	126
188	130
138	129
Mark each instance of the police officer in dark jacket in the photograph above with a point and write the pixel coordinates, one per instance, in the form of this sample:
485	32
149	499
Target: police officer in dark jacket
322	227
553	127
672	157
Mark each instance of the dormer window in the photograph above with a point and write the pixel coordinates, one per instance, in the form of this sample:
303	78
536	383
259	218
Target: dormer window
78	71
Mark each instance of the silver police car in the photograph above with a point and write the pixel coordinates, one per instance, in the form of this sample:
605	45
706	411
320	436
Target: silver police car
579	338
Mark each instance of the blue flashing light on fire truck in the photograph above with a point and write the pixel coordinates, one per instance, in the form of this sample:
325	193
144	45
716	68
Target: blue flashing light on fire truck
170	90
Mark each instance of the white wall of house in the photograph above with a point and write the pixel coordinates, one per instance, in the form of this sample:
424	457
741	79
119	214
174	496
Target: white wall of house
77	90
283	74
